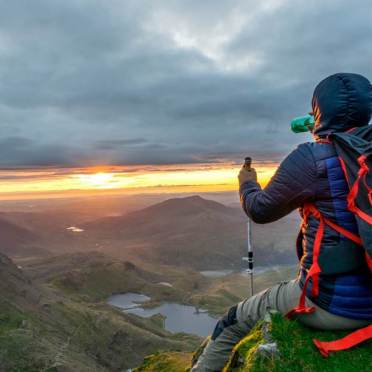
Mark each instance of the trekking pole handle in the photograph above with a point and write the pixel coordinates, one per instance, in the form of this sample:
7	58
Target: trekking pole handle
247	162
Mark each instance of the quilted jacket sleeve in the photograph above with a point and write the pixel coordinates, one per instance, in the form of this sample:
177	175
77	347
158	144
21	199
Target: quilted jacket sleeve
294	183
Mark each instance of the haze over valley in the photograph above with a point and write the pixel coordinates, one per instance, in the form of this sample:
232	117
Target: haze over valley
190	231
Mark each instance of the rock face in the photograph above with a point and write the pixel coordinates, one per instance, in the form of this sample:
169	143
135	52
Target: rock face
15	286
258	345
269	348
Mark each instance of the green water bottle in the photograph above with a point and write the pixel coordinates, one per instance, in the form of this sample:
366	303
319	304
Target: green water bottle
303	124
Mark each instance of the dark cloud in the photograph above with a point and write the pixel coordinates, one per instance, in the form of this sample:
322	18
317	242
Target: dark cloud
9	144
20	151
153	82
117	143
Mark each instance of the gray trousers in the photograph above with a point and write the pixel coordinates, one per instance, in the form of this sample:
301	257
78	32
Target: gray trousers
240	320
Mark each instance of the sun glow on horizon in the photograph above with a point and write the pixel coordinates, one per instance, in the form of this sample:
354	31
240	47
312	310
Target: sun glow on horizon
97	180
200	177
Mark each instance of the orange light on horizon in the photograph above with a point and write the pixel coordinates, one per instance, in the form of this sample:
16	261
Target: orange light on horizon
97	180
213	177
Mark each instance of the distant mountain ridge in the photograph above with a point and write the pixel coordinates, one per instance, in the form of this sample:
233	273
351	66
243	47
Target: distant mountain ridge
190	204
180	208
193	232
190	231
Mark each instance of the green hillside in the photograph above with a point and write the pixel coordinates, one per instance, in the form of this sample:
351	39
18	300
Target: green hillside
296	353
43	328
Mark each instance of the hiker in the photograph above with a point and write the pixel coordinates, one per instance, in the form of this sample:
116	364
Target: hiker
312	173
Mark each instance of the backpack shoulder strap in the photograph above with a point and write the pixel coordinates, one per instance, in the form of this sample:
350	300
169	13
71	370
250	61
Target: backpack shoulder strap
354	188
352	339
354	150
315	269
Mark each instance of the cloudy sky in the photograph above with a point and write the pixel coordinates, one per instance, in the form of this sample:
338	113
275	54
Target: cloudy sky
135	82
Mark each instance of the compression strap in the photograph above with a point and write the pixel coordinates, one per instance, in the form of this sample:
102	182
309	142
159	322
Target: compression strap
347	342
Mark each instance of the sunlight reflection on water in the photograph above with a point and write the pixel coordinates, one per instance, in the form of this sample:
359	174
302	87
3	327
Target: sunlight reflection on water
75	229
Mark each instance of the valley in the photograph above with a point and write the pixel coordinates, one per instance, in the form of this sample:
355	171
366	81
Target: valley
57	282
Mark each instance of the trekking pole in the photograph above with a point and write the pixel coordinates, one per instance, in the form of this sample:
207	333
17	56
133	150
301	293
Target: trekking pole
247	164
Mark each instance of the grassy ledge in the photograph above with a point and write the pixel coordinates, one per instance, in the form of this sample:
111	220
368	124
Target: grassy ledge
297	353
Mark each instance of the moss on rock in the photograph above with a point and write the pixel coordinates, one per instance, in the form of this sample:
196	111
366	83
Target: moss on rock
166	362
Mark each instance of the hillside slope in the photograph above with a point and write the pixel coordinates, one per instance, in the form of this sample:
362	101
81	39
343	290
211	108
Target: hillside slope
17	240
296	353
43	328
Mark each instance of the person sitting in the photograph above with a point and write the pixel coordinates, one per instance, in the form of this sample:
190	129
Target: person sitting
312	173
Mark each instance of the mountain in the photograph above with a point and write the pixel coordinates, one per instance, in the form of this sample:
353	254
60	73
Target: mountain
193	232
170	212
17	240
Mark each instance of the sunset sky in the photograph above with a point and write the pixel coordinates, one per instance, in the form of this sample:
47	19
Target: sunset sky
149	95
128	179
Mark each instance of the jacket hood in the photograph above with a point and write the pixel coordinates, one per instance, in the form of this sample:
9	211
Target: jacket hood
340	102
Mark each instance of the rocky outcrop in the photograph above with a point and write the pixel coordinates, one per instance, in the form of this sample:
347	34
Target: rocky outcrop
276	344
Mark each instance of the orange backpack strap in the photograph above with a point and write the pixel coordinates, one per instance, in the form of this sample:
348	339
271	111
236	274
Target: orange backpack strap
353	338
363	171
315	270
345	343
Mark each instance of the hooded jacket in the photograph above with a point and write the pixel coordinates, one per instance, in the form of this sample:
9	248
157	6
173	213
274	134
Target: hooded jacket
312	173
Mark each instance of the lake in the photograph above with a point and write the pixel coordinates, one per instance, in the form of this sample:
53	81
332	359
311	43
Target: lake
215	274
75	229
178	318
